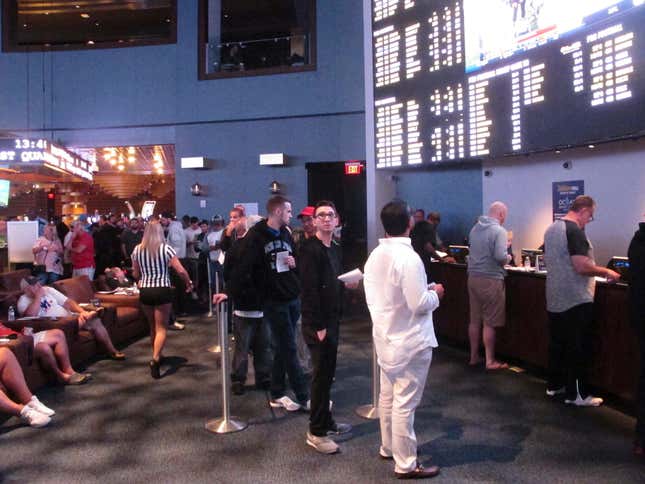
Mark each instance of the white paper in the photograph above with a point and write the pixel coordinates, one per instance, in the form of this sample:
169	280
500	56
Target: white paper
281	261
221	257
351	277
441	254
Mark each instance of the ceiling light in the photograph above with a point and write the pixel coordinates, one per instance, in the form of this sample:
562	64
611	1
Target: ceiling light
90	42
131	150
121	167
85	15
131	159
112	161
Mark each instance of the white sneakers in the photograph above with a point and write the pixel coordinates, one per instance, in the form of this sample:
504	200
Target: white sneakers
589	401
286	403
33	417
35	413
324	445
40	407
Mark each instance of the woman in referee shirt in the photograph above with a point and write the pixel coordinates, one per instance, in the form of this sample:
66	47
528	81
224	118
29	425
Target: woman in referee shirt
151	263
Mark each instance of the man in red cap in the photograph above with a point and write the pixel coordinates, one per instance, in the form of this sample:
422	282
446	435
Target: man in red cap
308	230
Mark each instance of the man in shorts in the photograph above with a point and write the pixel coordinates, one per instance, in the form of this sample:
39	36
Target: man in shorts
486	290
45	301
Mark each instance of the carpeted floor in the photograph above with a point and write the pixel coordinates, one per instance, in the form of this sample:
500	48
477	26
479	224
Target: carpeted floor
125	427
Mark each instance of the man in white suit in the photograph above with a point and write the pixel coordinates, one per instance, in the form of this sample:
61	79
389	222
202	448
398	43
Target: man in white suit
401	304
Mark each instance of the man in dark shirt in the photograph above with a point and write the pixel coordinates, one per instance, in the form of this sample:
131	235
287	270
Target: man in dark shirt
130	238
423	237
636	255
320	266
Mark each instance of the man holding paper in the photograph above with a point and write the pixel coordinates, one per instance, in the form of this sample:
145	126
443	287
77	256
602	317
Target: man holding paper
401	305
270	245
322	301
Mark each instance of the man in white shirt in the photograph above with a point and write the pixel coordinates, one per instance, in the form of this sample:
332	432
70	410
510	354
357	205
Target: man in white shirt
45	301
401	303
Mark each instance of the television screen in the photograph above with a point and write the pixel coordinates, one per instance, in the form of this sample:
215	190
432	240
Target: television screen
4	192
473	79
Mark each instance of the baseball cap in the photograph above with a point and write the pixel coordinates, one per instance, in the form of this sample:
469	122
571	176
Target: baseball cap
217	219
308	211
28	281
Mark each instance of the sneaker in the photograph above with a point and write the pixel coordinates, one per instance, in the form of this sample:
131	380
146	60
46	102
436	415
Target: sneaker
324	445
33	417
237	388
589	401
40	407
340	429
286	403
553	393
177	326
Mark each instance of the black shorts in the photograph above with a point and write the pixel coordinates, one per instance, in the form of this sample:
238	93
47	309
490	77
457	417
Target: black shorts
155	296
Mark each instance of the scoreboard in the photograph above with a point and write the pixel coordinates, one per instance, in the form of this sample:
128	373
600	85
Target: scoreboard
472	79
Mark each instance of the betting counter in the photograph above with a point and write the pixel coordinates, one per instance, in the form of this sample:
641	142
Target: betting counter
525	338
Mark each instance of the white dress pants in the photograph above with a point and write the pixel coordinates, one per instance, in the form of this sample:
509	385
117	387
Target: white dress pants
401	392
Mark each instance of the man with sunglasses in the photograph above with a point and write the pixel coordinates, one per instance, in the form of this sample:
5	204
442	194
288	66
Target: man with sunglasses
570	287
322	300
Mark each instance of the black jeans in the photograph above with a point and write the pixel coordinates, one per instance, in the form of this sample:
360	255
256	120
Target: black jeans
252	334
570	349
640	396
282	318
323	360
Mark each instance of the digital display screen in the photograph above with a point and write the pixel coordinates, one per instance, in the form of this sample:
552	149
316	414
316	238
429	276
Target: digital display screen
473	79
4	193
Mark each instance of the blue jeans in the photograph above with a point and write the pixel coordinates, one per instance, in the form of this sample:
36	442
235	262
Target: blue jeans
46	278
282	318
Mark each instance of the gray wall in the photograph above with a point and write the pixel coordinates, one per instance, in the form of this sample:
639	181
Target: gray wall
614	175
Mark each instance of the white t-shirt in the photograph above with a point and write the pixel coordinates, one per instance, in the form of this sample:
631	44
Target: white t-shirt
191	235
213	238
51	304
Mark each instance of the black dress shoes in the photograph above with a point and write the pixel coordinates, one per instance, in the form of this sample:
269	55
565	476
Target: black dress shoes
419	473
154	369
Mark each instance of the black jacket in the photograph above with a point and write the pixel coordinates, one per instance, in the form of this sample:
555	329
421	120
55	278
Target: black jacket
244	278
321	290
636	254
260	248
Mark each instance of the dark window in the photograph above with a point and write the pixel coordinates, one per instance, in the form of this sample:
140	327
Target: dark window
255	37
79	24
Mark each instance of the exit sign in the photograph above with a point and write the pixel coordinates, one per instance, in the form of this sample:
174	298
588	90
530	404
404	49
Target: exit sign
353	168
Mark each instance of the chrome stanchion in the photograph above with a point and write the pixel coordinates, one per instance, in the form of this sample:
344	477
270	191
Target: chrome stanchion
226	424
210	290
216	348
370	410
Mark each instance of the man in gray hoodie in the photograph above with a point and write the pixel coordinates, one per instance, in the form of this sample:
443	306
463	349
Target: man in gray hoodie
486	291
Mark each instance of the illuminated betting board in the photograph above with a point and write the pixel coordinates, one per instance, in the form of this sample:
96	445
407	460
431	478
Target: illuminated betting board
472	79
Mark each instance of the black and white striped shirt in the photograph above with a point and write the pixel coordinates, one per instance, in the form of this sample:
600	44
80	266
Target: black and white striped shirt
154	265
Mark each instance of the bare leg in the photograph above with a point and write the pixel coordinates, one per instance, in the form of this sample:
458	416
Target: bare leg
161	316
474	333
45	355
489	346
100	333
149	312
12	381
55	339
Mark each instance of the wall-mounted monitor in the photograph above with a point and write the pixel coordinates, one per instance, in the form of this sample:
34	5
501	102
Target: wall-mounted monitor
462	80
5	186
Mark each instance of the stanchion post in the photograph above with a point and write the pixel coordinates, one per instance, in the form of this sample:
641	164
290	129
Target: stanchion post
226	424
210	291
370	411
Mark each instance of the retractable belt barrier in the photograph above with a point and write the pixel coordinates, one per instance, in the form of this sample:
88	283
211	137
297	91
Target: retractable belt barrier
370	410
226	424
216	348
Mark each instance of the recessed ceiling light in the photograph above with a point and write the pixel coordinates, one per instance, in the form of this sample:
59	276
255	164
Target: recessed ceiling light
591	147
85	15
90	42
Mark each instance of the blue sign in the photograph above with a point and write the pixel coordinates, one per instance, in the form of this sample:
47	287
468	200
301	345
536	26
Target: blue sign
564	193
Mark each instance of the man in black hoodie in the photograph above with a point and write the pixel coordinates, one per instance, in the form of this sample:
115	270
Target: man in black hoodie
636	255
245	287
270	243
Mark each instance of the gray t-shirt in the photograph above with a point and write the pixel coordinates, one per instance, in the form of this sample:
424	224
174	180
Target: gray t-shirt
565	288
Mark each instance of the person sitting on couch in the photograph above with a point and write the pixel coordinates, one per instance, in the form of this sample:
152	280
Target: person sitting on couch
116	277
41	301
12	382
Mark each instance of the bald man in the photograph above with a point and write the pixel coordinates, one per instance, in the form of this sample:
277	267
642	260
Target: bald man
486	290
